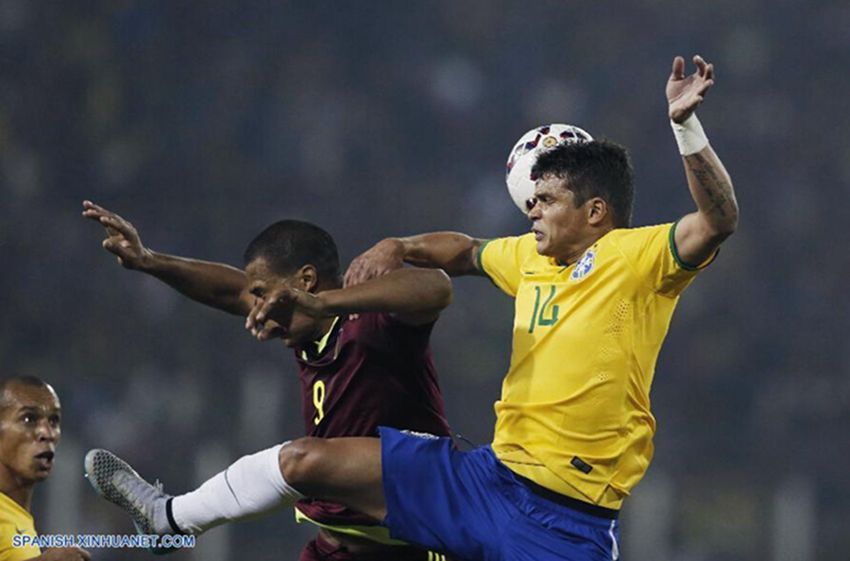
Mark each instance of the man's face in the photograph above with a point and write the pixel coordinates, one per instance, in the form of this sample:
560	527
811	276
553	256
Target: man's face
30	428
555	220
300	328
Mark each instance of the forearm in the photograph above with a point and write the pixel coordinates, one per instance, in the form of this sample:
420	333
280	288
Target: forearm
403	291
453	252
708	180
712	191
213	284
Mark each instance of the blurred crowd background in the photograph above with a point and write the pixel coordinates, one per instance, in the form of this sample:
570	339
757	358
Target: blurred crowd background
203	121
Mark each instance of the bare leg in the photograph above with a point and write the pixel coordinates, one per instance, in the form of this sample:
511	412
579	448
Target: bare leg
341	470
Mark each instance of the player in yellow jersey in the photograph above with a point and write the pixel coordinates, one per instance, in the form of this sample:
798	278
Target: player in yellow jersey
594	298
29	432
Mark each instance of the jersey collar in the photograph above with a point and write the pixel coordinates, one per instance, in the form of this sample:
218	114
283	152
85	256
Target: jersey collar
313	351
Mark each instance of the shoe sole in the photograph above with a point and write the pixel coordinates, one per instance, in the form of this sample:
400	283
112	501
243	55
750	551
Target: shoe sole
100	467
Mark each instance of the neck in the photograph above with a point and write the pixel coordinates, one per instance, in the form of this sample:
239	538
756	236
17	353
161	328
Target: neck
576	250
16	489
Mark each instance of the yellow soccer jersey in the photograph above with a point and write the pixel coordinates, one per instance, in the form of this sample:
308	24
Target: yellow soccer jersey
574	412
14	520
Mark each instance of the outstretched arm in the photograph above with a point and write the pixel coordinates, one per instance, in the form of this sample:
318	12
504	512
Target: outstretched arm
455	253
214	284
415	296
700	233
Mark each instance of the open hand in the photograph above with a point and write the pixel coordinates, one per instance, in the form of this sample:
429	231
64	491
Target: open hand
272	313
685	93
385	256
122	239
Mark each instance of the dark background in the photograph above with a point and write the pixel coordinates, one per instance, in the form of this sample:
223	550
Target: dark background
202	122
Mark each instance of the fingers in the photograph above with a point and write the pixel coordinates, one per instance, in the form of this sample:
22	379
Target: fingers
256	320
678	71
263	311
251	320
109	220
93	211
274	303
705	70
269	330
119	246
119	226
700	64
357	273
262	330
350	274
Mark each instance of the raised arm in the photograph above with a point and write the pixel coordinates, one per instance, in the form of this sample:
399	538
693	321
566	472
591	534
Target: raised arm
414	295
455	253
700	233
214	284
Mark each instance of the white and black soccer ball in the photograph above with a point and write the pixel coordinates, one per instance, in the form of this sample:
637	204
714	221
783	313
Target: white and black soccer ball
525	152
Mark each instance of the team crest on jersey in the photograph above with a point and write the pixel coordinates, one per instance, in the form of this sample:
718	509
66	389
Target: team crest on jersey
584	266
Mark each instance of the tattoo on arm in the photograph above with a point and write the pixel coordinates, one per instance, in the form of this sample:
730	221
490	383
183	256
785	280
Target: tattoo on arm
715	186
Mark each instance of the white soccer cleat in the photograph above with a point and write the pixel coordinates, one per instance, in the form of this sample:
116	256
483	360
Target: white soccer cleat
114	480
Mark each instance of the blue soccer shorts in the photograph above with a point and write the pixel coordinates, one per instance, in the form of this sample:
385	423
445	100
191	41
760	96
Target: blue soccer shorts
470	505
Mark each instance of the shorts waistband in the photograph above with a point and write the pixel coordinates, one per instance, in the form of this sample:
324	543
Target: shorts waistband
569	502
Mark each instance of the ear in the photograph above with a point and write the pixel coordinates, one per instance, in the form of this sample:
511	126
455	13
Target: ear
307	278
597	211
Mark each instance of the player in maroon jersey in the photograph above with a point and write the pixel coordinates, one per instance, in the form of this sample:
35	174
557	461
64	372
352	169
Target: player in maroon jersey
356	371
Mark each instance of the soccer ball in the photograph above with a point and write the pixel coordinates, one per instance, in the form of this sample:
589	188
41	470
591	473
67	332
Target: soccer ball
524	155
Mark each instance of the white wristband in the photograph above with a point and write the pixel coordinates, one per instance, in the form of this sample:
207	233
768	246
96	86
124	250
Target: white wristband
689	135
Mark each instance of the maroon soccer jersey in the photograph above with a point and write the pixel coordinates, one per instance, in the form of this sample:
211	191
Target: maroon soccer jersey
373	371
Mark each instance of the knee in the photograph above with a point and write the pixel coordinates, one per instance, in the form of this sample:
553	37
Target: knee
301	460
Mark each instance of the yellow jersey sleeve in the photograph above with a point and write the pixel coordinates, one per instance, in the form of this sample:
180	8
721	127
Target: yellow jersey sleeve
15	521
502	258
8	552
651	253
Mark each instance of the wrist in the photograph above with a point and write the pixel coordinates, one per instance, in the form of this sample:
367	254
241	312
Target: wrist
147	261
322	306
690	136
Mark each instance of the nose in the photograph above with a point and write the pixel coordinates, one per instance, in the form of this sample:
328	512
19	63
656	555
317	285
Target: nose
533	209
48	432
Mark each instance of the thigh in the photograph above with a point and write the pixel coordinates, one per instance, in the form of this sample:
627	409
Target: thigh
341	470
442	499
548	534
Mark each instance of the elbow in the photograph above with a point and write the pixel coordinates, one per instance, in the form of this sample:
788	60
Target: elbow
442	286
721	225
729	223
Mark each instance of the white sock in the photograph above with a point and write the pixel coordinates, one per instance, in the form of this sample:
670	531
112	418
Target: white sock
251	486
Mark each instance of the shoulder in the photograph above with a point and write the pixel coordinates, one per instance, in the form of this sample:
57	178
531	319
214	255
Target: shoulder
13	513
372	326
632	240
513	248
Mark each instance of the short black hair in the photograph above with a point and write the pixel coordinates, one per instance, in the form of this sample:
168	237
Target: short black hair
599	168
288	245
32	381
